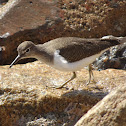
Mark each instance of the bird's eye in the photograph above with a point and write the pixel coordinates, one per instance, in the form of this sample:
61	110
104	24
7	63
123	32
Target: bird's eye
27	50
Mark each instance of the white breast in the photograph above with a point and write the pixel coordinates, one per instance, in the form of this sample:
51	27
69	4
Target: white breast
62	64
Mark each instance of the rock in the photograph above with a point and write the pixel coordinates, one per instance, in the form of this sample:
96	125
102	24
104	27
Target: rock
50	120
115	57
27	96
22	20
111	111
97	18
41	21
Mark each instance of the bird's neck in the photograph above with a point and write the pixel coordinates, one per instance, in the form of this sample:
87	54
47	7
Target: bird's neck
43	55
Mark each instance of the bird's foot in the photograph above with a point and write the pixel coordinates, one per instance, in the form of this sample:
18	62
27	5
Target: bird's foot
91	81
57	87
61	86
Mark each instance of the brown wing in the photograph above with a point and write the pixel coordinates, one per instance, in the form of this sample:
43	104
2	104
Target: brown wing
76	51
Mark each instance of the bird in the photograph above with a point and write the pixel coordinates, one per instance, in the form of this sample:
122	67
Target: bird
69	54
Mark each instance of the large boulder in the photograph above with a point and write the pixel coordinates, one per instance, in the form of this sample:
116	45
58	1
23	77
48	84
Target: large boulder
111	111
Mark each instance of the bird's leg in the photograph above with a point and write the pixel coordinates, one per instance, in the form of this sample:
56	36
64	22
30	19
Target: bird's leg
74	76
90	74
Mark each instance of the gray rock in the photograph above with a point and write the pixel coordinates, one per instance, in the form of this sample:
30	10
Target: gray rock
115	57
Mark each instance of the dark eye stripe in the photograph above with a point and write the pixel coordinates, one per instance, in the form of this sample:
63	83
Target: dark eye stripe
27	50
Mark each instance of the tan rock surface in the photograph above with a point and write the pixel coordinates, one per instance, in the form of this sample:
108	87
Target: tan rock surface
111	111
96	17
26	93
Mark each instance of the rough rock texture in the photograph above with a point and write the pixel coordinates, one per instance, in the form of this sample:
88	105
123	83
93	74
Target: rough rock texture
115	57
96	17
40	21
111	111
27	96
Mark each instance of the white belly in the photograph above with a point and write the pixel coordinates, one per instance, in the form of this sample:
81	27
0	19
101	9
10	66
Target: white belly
61	64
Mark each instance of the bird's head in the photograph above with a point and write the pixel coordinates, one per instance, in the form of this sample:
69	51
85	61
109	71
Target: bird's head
25	50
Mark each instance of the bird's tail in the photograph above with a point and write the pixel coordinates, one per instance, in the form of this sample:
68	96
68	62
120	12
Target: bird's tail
113	38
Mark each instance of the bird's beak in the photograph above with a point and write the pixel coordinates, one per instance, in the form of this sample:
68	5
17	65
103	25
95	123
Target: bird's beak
15	60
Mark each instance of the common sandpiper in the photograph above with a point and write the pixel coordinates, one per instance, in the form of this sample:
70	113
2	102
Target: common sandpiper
68	54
